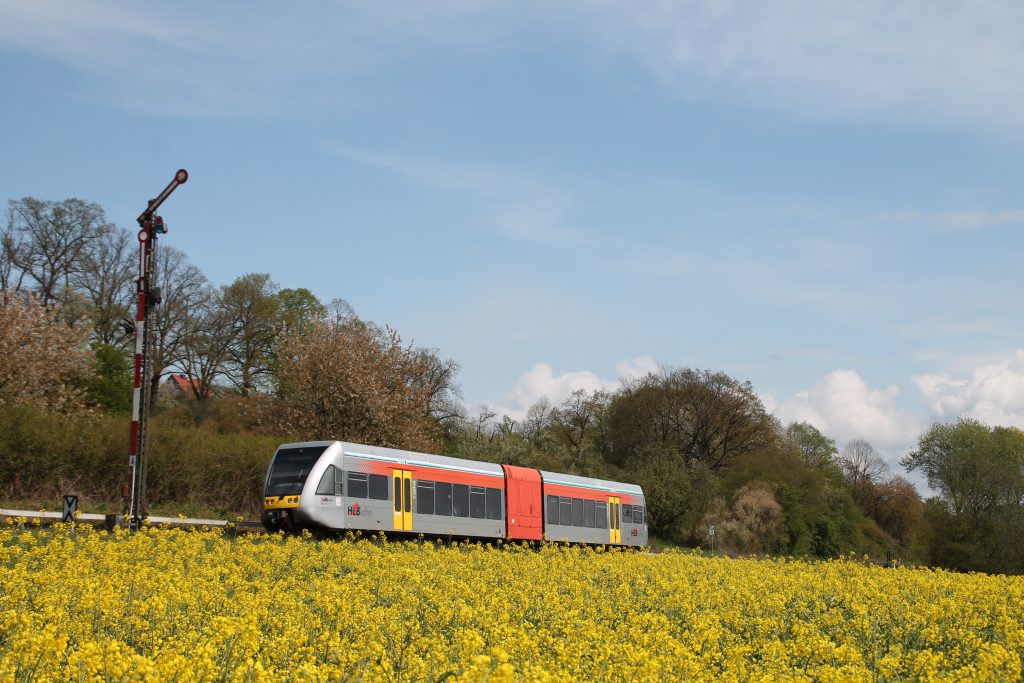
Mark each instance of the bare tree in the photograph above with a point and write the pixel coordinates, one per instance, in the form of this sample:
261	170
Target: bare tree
46	241
184	292
444	398
861	464
340	311
106	277
208	333
575	422
537	420
11	277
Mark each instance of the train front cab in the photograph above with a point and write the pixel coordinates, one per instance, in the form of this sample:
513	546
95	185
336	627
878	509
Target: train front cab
344	486
285	491
593	511
429	494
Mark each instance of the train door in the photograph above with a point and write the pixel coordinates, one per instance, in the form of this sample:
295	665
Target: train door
613	521
402	489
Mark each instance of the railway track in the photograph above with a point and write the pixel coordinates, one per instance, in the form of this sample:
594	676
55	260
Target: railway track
110	521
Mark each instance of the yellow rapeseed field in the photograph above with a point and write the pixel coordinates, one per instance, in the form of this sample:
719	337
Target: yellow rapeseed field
166	605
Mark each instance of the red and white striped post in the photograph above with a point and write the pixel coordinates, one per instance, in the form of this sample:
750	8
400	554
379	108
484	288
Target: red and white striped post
150	225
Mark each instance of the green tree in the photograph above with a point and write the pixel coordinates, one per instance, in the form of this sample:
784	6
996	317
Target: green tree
678	495
253	307
297	309
968	466
817	450
110	387
703	416
979	473
820	517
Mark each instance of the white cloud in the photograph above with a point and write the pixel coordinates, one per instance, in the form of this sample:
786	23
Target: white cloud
236	59
993	393
916	59
947	326
540	381
957	221
637	367
844	407
515	205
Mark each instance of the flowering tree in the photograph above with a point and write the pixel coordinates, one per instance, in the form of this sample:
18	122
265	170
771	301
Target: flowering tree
43	360
349	380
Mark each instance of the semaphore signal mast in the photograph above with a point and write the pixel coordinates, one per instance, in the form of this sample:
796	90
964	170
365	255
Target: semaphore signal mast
150	226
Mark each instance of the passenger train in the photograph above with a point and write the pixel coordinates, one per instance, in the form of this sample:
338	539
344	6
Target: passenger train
332	485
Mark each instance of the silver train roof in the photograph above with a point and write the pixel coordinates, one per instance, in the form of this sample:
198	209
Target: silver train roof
400	457
590	483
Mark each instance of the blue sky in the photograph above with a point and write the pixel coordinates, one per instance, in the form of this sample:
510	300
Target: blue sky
823	200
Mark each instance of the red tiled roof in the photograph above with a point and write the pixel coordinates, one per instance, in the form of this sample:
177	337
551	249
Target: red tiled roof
184	383
189	387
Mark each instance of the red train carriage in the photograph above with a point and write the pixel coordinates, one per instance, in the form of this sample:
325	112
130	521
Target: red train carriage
337	485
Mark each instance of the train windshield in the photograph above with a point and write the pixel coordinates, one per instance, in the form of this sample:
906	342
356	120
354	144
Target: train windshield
290	468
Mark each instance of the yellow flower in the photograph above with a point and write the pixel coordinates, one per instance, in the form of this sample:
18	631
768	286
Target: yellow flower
200	605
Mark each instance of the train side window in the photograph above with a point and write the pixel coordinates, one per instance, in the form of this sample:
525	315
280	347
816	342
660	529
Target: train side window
493	503
577	512
442	498
638	514
552	509
565	511
477	502
601	514
588	513
356	485
627	514
330	483
460	500
378	487
424	497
